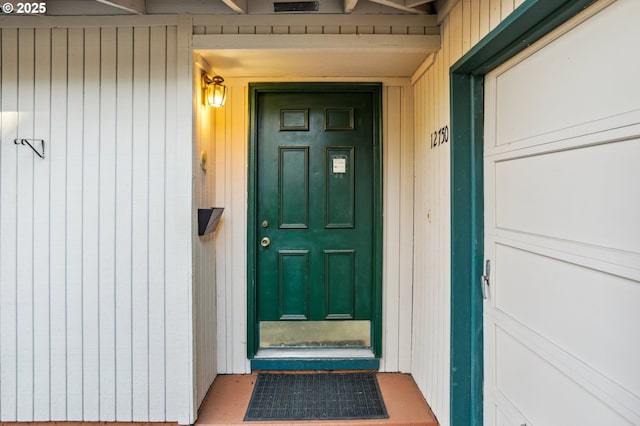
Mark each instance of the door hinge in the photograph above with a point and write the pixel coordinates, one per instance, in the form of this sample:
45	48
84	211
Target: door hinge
484	279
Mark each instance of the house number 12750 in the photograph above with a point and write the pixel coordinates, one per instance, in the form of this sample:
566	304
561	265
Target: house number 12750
440	137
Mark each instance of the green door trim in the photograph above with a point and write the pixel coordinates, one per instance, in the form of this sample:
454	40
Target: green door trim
254	89
527	24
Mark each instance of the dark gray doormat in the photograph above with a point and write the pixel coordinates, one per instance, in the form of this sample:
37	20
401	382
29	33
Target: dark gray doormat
325	396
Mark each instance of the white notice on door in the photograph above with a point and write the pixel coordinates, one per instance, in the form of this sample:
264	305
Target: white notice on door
339	165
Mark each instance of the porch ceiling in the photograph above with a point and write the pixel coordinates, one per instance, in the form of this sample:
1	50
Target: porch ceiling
317	56
313	63
316	46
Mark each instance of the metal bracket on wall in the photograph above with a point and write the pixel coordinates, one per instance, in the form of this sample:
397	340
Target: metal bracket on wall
29	143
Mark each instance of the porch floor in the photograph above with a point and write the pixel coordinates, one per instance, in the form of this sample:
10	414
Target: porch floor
228	398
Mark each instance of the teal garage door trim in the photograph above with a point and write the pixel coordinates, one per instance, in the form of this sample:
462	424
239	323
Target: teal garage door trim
527	24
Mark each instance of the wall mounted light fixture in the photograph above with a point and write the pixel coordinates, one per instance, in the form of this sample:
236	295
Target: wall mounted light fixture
215	93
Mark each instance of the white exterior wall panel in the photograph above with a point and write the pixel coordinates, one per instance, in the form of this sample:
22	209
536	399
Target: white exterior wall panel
463	24
397	282
230	169
204	254
86	332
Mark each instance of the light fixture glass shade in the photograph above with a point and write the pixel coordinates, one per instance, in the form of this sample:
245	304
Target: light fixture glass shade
215	91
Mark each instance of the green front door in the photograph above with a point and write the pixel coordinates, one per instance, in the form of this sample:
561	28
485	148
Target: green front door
316	216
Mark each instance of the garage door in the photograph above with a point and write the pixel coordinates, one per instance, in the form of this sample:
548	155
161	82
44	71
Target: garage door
562	226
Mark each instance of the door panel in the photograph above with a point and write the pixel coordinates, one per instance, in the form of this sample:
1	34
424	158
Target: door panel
293	284
293	187
315	205
340	279
561	228
339	206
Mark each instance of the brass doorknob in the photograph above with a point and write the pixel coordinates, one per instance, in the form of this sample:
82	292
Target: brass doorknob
265	242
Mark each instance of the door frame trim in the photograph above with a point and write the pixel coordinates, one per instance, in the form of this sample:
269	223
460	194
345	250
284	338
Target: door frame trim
528	23
254	89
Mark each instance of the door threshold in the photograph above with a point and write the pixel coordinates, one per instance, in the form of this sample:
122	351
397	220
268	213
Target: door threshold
315	359
315	353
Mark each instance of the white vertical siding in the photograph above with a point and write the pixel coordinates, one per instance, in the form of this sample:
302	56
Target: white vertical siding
231	192
397	285
178	208
204	254
86	234
56	215
24	229
41	272
73	210
90	226
8	255
123	263
107	228
139	229
157	239
463	24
